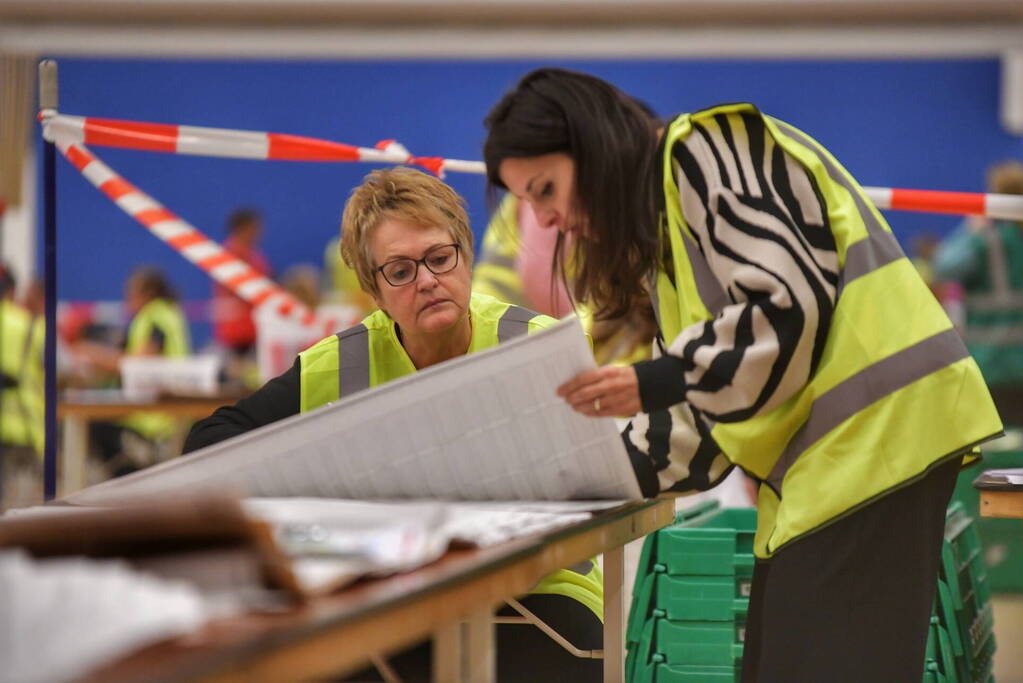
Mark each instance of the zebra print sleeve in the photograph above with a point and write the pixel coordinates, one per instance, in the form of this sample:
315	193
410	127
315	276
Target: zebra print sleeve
763	228
671	449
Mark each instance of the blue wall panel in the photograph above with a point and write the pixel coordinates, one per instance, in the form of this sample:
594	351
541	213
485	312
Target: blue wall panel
922	124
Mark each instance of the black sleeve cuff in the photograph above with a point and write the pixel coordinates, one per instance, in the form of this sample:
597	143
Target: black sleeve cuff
646	476
661	382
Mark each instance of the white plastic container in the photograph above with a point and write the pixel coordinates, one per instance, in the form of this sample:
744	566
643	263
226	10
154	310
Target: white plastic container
146	376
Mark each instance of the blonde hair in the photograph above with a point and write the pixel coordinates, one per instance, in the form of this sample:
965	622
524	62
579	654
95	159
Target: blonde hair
403	194
1006	178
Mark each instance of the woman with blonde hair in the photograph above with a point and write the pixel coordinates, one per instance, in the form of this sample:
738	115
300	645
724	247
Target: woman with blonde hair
407	237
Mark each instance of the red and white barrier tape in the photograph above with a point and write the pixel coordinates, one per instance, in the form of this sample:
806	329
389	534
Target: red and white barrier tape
238	144
71	133
999	206
213	259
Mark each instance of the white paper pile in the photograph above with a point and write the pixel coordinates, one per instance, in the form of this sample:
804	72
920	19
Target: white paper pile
334	542
61	618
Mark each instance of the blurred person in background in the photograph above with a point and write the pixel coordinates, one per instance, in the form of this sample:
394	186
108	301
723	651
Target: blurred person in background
22	399
923	249
407	237
986	259
340	282
157	328
233	326
515	265
302	281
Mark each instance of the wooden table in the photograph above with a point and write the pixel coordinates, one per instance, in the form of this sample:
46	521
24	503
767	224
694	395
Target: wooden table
77	410
453	600
1001	503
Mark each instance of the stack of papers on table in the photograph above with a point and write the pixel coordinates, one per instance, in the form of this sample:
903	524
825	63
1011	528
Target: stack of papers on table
60	618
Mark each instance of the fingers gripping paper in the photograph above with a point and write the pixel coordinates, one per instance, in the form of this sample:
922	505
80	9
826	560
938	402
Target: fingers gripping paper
487	426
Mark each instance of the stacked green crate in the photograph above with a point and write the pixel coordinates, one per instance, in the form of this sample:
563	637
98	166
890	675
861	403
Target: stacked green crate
688	617
964	599
939	661
689	605
1000	538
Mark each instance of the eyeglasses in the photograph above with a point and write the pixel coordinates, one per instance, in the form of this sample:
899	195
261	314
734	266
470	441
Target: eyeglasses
402	271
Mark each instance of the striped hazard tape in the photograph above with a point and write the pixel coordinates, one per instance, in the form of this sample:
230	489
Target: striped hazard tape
237	144
213	259
241	144
999	206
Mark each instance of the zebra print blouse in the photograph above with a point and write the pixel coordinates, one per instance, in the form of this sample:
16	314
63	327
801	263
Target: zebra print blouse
762	227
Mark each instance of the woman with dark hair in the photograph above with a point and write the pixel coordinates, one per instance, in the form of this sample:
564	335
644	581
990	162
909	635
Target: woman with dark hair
796	342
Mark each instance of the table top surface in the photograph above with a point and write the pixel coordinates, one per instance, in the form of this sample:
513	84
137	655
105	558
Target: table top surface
114	403
416	603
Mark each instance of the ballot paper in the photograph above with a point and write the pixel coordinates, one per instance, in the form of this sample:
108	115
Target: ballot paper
486	426
331	543
60	618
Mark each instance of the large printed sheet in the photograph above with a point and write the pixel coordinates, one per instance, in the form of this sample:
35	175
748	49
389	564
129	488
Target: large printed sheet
487	426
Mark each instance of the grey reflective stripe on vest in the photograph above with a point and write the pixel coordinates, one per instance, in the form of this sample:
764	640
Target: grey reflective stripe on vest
352	360
584	567
871	384
887	375
837	175
710	291
503	292
491	257
514	323
869	254
1002	298
995	335
992	302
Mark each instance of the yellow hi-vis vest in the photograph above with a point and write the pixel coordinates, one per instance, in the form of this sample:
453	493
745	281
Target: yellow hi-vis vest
895	393
370	354
22	403
167	317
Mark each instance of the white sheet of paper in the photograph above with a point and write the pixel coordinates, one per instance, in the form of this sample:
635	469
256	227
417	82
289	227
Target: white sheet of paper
61	617
487	426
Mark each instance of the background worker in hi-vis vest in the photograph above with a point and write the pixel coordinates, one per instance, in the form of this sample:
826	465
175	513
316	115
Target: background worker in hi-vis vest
799	343
407	237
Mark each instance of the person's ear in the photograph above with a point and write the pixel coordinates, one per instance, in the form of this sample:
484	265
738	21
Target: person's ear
379	303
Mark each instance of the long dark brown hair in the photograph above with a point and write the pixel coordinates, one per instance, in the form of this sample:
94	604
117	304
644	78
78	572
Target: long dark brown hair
613	142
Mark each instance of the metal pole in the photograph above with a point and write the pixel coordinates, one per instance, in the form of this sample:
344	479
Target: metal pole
48	103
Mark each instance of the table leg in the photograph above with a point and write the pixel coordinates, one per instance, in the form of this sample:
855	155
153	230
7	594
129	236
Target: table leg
74	451
614	615
447	653
482	660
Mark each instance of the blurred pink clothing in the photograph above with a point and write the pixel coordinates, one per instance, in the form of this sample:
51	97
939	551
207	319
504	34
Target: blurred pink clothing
233	325
534	266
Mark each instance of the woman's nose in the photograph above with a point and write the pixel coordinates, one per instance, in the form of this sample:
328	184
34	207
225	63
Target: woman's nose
549	219
425	279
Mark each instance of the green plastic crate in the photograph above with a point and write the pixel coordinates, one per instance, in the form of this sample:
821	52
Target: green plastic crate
716	543
964	574
949	619
717	643
939	655
933	675
981	665
687	626
667	673
1001	541
699	598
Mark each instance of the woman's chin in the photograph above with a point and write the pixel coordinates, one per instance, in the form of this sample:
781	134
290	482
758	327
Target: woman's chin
438	318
